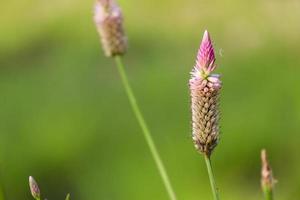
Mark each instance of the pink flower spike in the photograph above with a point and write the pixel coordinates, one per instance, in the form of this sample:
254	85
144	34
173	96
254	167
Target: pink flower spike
206	56
109	22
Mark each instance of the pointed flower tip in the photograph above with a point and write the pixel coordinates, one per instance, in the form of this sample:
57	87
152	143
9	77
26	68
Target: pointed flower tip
104	2
206	36
267	179
102	7
34	188
206	56
263	155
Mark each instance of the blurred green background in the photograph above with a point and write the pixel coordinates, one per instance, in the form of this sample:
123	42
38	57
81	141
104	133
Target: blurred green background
65	119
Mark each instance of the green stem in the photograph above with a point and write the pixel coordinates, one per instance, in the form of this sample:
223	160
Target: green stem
268	194
211	178
145	130
68	197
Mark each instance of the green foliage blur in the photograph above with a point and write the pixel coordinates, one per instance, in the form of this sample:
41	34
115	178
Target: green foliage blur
65	118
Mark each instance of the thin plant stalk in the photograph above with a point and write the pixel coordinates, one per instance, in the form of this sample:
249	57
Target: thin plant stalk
68	197
211	178
145	130
268	194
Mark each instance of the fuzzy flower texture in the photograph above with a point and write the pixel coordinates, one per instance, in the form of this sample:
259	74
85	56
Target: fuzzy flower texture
205	89
34	188
109	22
267	179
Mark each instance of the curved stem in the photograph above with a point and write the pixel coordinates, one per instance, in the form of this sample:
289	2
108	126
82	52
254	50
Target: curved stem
145	130
211	178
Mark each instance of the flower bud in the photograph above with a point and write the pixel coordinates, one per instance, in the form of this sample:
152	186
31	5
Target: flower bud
206	55
34	188
109	22
267	179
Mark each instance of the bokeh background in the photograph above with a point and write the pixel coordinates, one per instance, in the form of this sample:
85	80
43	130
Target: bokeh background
65	119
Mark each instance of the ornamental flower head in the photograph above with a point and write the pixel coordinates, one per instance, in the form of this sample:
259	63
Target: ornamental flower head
109	22
205	89
205	62
267	180
34	188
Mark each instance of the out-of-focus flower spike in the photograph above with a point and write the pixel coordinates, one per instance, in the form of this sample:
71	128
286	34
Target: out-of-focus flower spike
205	62
34	188
267	179
109	22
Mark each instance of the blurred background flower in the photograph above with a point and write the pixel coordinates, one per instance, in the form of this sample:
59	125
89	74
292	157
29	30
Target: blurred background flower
65	119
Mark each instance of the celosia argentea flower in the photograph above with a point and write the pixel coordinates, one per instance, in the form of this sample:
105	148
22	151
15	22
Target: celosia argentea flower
267	180
205	88
34	188
109	21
